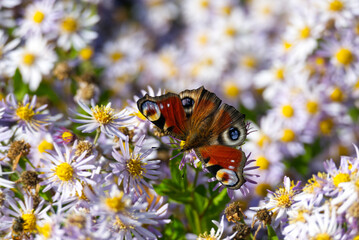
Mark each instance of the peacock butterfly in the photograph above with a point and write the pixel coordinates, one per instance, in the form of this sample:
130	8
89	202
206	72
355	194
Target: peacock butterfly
212	129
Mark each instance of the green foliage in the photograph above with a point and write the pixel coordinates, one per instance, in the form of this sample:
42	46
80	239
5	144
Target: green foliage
201	203
271	233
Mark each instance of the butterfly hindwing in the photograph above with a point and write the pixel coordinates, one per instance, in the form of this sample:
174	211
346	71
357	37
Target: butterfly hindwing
166	112
225	163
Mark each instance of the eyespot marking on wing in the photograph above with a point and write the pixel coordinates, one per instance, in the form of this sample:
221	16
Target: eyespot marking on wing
151	110
227	177
233	133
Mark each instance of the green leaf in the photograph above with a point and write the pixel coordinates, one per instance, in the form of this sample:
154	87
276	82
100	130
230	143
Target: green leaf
20	88
271	233
174	230
193	219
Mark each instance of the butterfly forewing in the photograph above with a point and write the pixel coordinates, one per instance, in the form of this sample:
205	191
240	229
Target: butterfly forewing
166	112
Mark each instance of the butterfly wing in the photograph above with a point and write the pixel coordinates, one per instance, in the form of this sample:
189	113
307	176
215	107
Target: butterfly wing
228	127
225	163
166	112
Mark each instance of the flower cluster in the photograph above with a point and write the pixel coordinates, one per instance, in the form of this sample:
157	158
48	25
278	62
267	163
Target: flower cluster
325	207
78	160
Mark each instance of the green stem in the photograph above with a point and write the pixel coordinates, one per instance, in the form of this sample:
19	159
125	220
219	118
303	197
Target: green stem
98	131
28	161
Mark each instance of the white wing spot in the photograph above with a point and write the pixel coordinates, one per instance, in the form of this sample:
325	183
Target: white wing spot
161	106
168	105
231	167
232	160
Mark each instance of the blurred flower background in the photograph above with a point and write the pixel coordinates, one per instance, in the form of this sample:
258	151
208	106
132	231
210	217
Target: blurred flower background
78	160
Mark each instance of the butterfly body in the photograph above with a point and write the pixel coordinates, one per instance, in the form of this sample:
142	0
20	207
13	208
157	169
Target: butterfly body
212	129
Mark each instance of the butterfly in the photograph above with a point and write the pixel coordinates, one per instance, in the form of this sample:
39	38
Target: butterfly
212	129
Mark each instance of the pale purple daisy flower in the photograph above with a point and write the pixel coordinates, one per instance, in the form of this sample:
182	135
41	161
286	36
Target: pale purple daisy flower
65	172
25	114
120	215
132	168
281	201
26	210
213	234
104	118
324	224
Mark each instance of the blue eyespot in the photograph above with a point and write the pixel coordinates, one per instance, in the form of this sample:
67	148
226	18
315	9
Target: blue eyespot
187	102
233	133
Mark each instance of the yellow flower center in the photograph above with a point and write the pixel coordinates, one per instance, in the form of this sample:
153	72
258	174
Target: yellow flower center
311	185
86	53
288	135
249	62
287	45
262	162
230	31
204	3
341	177
206	236
44	230
337	95
203	39
264	139
116	56
319	61
30	221
28	59
38	17
304	32
117	203
135	167
344	56
336	5
300	217
44	146
326	126
322	236
312	107
69	24
64	171
261	189
25	112
103	114
287	111
283	198
67	136
226	10
279	73
231	90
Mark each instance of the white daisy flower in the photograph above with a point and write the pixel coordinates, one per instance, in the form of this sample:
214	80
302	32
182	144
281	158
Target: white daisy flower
75	27
40	18
132	168
341	11
9	3
25	114
349	193
7	67
25	210
104	118
34	60
213	234
303	32
281	201
66	173
120	215
324	225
